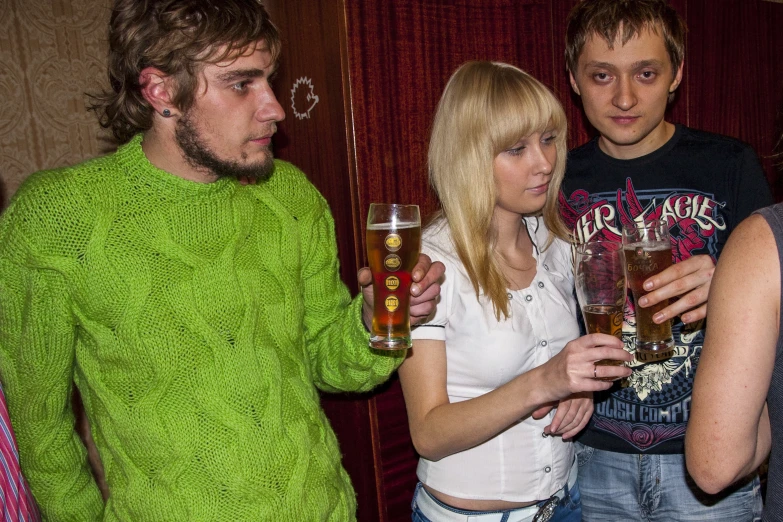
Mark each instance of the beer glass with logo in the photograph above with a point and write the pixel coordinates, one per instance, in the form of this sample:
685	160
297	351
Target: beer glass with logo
648	251
599	271
393	244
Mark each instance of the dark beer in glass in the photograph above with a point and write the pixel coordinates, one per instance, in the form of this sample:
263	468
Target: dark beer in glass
393	244
648	252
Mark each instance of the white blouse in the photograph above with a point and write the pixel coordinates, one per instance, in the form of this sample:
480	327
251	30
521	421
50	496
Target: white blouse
520	464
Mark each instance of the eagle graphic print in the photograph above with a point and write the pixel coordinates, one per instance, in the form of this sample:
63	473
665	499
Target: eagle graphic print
653	404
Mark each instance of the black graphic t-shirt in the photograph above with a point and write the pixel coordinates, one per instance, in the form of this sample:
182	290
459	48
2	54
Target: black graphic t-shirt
703	184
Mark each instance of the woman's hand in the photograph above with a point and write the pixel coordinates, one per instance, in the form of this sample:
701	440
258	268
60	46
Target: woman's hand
574	369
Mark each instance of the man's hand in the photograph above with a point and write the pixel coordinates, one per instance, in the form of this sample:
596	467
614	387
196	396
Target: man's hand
689	279
573	414
424	290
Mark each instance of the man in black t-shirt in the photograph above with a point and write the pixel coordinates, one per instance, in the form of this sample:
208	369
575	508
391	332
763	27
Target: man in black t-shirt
625	61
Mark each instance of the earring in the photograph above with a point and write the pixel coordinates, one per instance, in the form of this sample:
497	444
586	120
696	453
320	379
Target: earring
166	113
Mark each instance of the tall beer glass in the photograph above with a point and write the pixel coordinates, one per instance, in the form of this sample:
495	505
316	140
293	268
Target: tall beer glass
393	244
647	252
599	271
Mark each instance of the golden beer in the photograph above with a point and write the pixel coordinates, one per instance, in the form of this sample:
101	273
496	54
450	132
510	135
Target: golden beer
643	260
605	319
599	274
392	251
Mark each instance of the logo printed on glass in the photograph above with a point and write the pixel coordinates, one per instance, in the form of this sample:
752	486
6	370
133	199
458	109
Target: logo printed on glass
393	242
646	357
392	283
643	261
392	303
392	262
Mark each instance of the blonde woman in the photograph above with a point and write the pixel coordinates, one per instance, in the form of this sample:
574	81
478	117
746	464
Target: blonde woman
499	379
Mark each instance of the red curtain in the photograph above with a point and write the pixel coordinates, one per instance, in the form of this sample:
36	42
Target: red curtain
379	67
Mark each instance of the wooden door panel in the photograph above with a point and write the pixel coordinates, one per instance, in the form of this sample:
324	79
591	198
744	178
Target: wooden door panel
314	137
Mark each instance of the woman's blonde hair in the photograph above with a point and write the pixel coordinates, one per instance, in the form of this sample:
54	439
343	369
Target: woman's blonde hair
486	108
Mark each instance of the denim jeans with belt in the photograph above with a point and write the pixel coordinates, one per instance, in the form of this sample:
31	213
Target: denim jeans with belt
569	508
622	487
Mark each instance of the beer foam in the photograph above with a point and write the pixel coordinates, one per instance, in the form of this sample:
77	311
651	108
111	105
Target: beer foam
649	246
392	226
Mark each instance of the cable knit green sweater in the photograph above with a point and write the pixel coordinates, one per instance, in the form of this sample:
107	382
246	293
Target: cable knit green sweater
198	321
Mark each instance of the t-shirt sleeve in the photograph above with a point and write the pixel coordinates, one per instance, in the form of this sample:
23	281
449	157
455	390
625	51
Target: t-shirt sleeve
435	326
750	187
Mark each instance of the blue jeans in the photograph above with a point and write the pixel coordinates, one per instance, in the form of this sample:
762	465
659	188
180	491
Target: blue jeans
569	509
625	487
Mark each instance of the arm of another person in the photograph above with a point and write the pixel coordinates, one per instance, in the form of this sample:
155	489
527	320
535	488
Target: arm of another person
728	433
691	278
36	362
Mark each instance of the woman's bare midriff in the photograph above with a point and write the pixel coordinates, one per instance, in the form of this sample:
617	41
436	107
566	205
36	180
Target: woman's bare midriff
477	505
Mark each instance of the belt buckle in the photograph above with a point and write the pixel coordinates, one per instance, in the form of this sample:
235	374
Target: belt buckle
546	511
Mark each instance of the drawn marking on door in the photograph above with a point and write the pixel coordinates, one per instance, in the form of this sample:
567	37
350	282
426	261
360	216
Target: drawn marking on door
311	98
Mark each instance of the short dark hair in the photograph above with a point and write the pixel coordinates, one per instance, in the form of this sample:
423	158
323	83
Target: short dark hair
178	37
606	18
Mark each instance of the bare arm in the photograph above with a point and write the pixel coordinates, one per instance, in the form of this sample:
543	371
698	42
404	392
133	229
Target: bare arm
728	433
440	428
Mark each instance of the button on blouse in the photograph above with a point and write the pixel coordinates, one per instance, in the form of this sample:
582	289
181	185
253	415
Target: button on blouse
483	353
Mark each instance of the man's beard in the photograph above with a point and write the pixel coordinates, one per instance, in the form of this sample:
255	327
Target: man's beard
199	156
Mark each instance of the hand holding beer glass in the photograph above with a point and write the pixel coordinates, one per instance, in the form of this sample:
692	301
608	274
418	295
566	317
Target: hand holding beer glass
600	287
648	252
393	244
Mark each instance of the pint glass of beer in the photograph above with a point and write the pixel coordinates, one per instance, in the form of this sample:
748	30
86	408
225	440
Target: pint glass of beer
599	272
648	251
393	244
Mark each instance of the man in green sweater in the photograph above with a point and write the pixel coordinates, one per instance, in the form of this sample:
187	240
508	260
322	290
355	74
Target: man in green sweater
197	315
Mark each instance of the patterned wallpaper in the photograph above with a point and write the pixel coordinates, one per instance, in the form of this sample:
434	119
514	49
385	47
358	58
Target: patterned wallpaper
51	53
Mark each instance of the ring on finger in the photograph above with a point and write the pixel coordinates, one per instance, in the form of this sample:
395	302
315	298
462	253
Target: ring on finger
595	371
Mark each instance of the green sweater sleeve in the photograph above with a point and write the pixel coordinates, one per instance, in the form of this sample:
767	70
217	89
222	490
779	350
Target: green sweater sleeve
37	339
335	336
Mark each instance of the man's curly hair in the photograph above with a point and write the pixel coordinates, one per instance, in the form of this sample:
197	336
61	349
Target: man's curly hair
178	37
